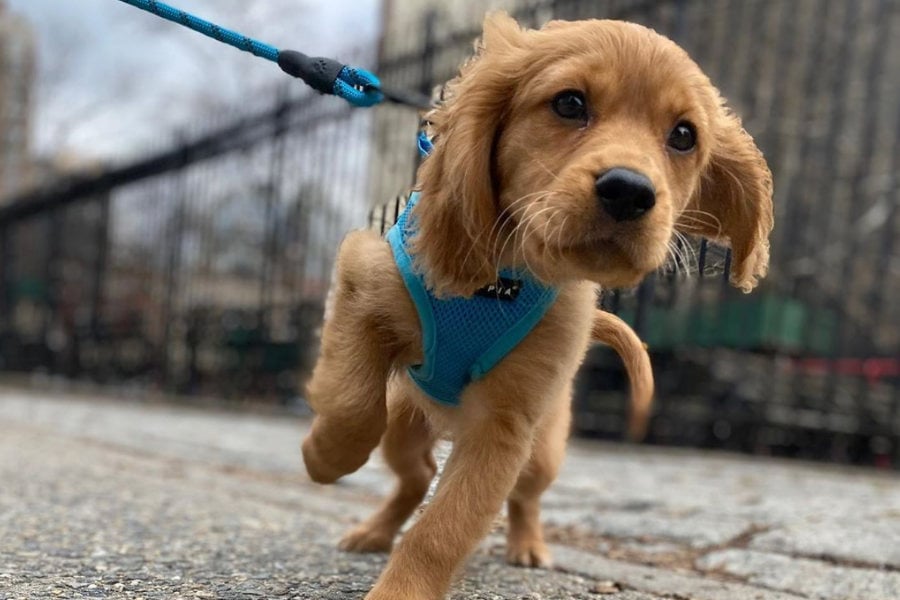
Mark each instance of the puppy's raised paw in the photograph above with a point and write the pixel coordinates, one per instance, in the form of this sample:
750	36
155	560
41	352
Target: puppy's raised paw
329	452
529	553
318	468
366	538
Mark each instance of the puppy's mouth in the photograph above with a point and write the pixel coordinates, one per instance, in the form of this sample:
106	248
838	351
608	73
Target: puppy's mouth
606	252
591	240
590	244
606	247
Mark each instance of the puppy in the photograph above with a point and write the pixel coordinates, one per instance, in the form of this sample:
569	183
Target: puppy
564	159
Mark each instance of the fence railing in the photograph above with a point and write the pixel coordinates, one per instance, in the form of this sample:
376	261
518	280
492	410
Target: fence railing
202	269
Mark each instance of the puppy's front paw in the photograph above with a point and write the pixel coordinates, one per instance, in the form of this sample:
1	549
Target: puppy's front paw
324	463
330	451
388	592
528	553
367	538
319	470
382	595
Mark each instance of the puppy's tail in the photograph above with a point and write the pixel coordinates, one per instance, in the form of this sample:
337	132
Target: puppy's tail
614	332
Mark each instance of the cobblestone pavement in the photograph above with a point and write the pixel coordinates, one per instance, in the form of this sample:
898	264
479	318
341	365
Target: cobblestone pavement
107	499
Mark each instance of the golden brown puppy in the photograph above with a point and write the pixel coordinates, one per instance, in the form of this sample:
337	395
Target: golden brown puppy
576	151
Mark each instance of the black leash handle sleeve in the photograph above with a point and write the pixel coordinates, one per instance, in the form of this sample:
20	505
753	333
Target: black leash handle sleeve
317	72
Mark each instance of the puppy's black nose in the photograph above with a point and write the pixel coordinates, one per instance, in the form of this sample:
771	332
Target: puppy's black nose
625	194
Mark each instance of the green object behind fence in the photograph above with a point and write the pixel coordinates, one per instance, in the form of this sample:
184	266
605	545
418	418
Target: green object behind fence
766	322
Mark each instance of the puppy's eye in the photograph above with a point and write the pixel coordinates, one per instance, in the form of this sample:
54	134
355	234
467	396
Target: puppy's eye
683	137
570	104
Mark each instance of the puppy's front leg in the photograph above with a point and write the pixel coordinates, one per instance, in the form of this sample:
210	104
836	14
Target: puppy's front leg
488	454
347	392
347	388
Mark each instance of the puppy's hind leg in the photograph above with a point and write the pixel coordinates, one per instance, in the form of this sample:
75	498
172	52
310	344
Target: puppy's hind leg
525	544
347	388
406	447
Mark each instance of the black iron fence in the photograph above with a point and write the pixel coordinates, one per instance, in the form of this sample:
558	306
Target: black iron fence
198	270
202	269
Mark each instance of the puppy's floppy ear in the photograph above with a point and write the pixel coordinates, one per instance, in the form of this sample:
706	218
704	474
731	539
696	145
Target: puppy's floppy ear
459	204
736	195
499	30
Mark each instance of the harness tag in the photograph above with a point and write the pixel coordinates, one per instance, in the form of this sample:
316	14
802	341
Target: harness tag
503	289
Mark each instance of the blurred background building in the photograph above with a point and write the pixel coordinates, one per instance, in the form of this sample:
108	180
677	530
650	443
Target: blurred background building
199	266
17	76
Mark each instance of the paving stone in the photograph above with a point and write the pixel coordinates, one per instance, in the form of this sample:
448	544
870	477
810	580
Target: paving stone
875	543
678	585
693	529
805	577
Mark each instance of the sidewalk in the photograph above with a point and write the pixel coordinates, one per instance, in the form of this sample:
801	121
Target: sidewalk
104	499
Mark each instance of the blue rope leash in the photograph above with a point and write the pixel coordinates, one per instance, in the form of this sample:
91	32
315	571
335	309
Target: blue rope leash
328	76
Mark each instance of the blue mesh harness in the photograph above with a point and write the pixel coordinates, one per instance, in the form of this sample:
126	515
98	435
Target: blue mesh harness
464	338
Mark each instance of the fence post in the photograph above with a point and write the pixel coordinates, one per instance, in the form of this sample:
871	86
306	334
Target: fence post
52	279
100	263
173	264
429	26
847	342
273	198
5	293
426	73
645	295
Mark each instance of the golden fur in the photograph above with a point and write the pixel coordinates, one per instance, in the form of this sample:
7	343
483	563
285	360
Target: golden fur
511	183
614	332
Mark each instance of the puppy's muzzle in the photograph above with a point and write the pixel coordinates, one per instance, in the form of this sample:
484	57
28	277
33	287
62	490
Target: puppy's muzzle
625	195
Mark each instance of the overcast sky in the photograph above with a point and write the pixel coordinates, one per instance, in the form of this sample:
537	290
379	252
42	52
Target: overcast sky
115	81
